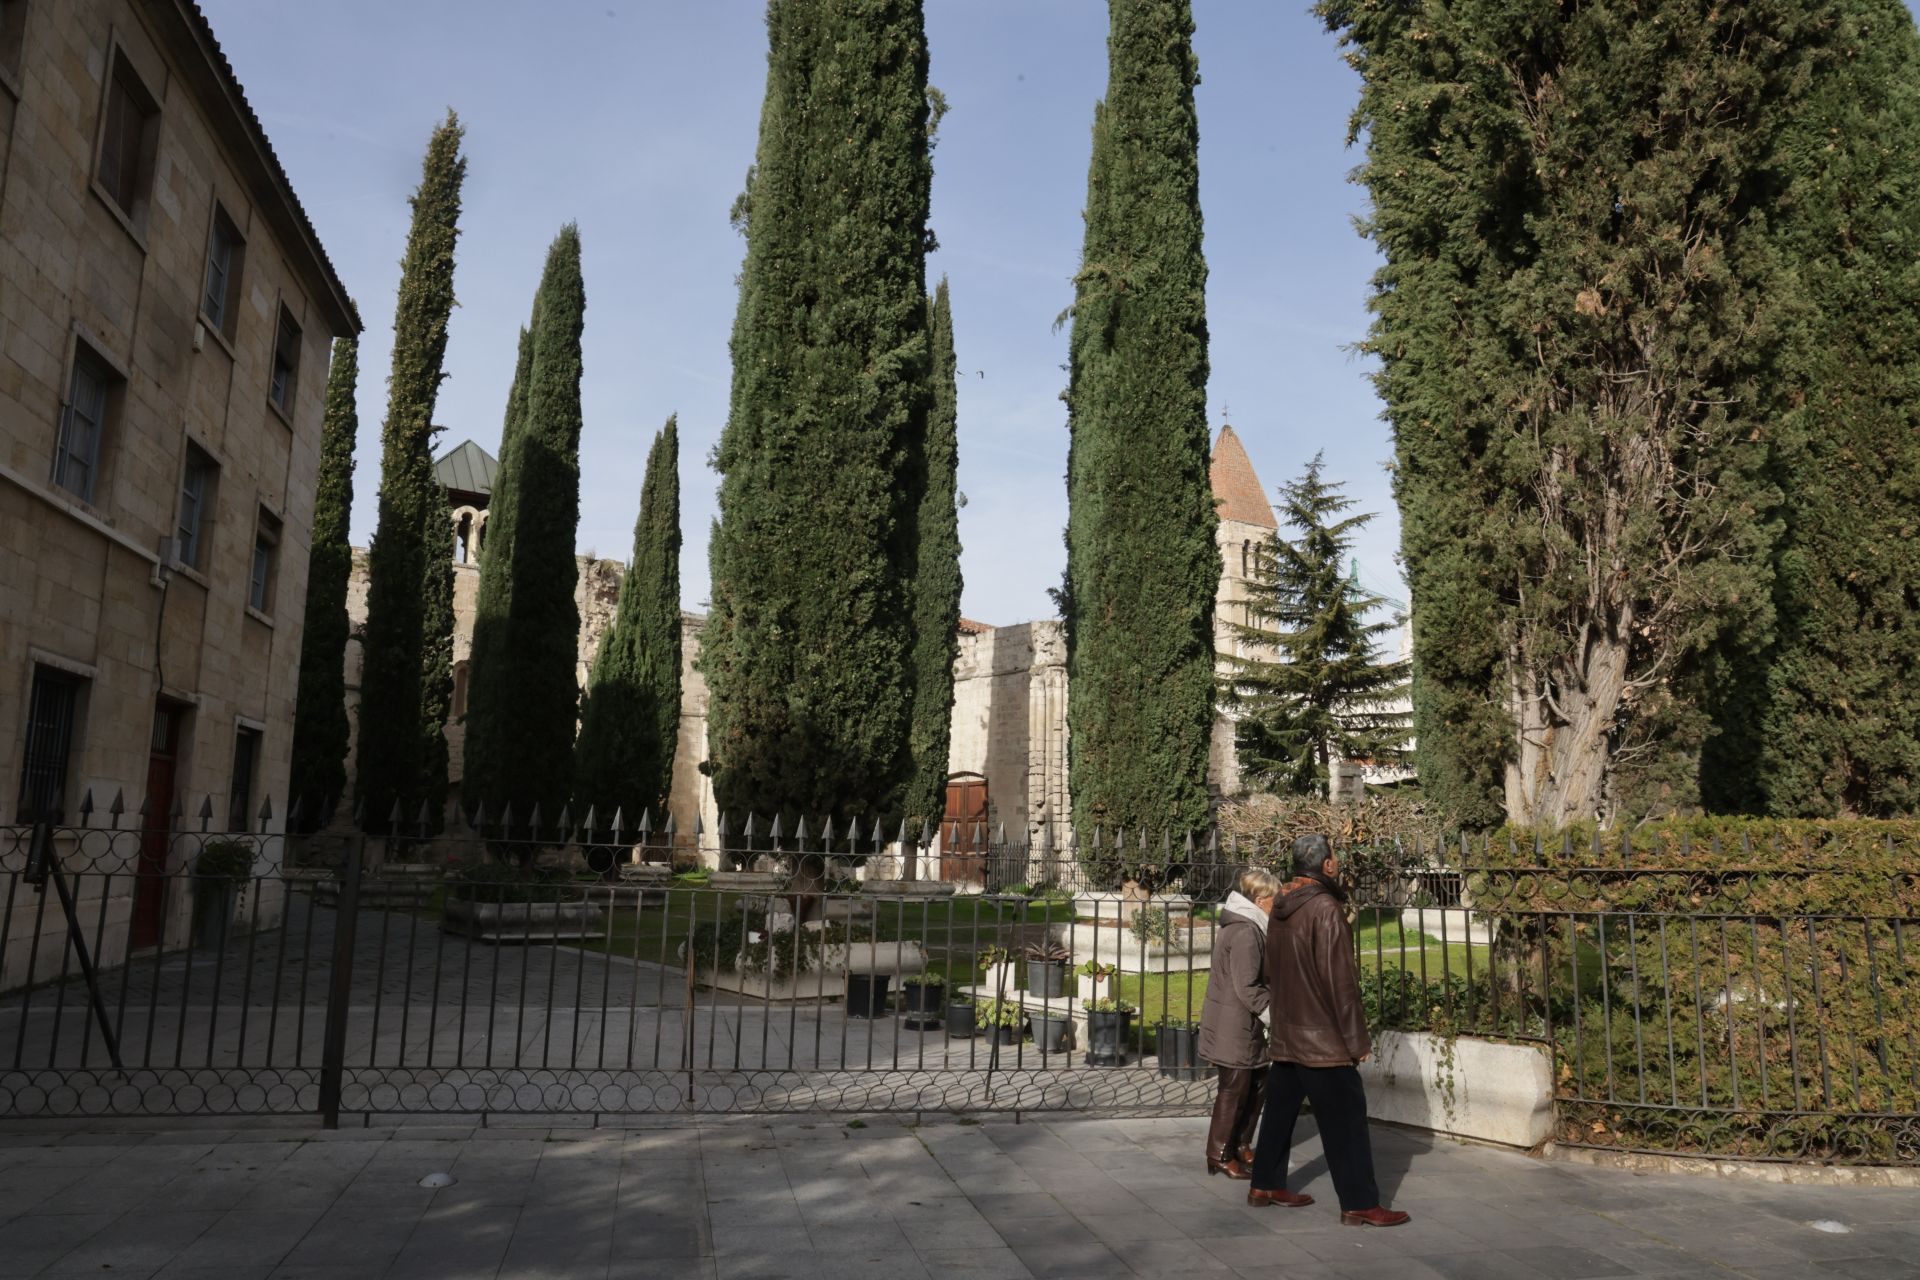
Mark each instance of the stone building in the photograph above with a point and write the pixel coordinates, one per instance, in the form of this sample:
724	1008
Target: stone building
1008	758
166	316
467	473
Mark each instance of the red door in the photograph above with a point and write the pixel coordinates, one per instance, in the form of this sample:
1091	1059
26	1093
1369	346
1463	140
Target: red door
150	878
963	831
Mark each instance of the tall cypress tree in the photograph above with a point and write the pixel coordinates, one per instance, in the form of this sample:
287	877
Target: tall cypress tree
485	769
1324	693
1580	310
320	727
525	678
1142	567
808	646
401	568
1830	721
936	575
630	723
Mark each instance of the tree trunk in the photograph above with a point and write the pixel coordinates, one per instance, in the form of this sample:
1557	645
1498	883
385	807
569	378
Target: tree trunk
1565	736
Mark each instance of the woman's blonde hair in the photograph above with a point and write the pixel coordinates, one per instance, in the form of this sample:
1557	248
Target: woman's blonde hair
1257	883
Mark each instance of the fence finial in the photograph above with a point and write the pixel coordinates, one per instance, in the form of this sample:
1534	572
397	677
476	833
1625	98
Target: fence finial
645	828
118	807
533	821
423	821
566	821
206	811
266	812
86	807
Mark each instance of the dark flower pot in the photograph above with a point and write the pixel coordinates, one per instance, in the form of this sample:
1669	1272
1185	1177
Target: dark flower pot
1052	1032
213	902
867	994
1179	1050
1006	1035
1047	978
960	1020
921	1002
1107	1038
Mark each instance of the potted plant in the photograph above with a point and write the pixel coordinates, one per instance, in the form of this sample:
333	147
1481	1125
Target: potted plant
995	963
962	1019
1179	1050
1004	1020
1052	1028
220	875
921	996
867	994
1107	1025
1047	969
1091	975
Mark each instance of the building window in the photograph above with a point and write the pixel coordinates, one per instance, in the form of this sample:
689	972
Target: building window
266	554
52	706
246	766
286	364
459	711
462	538
83	424
197	486
226	256
126	140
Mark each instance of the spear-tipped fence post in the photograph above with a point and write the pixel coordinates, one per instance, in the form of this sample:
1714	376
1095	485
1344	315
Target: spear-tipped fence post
266	813
206	812
118	807
423	821
86	807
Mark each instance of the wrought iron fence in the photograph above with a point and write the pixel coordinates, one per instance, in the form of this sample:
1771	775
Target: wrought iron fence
489	965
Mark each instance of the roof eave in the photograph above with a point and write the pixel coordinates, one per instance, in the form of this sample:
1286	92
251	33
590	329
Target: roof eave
184	29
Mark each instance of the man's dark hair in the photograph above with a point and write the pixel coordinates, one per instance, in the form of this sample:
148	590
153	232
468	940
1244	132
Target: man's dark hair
1309	854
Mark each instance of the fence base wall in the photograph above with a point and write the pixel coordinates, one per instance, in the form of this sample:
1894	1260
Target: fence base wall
1465	1088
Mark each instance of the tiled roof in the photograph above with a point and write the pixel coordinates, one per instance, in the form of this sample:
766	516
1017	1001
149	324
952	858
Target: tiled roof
466	467
968	627
202	30
1235	485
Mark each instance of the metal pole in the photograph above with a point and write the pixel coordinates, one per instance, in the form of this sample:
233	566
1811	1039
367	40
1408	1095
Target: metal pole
43	861
333	1052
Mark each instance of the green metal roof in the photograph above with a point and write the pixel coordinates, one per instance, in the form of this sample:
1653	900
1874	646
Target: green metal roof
466	467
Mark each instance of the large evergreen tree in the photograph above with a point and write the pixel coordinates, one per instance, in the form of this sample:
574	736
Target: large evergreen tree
808	646
1580	306
524	696
320	727
630	722
1142	567
1830	722
1311	686
402	563
936	575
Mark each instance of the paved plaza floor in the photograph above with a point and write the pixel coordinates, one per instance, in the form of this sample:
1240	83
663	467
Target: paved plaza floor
733	1199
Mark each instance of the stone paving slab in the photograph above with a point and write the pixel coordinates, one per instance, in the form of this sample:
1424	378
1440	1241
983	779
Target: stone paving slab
796	1198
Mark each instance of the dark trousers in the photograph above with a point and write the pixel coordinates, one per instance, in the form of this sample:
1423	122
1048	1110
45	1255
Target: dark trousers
1339	1109
1236	1108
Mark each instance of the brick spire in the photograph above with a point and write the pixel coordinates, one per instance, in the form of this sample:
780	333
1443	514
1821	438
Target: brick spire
1235	484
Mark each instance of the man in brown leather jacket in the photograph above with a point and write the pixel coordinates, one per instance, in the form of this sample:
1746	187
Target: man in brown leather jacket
1317	1042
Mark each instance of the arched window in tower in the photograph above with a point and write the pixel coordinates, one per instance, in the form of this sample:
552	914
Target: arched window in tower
463	539
1246	546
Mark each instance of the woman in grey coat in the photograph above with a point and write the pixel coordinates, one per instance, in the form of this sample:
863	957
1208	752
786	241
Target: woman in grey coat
1231	1036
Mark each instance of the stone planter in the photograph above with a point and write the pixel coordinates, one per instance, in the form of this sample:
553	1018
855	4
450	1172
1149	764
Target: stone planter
828	980
645	873
747	881
912	889
1481	1089
1448	924
523	921
1117	946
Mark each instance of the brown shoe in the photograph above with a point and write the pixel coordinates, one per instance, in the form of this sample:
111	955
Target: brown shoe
1374	1217
1246	1156
1232	1168
1284	1198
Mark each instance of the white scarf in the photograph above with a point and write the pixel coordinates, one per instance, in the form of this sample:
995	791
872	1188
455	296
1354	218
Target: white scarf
1241	905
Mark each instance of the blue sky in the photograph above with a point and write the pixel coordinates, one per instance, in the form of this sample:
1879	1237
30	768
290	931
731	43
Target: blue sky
638	120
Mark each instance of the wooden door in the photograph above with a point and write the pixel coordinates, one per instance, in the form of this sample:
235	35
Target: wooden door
156	832
963	848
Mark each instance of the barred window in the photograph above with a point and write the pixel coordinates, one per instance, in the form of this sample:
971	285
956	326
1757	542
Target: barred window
52	704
